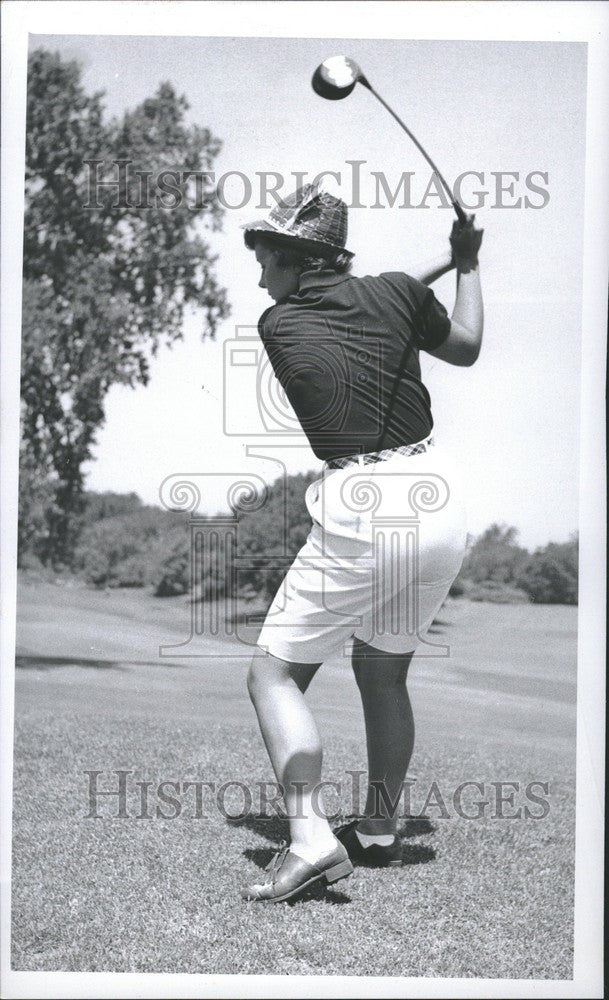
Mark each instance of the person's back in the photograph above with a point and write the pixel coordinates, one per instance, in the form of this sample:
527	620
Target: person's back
346	351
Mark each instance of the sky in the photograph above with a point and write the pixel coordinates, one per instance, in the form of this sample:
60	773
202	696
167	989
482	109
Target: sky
513	418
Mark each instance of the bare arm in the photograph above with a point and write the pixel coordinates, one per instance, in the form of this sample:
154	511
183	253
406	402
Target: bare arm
431	270
463	343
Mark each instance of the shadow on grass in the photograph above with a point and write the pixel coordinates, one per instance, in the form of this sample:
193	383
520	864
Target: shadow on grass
276	829
35	662
416	826
417	854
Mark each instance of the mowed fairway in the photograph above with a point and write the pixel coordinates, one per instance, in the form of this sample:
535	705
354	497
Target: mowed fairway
484	897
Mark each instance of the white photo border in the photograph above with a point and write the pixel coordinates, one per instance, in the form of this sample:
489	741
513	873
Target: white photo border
515	21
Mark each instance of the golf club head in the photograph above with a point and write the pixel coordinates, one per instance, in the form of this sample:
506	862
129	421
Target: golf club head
336	77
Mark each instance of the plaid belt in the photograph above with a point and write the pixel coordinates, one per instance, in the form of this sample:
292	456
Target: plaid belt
379	456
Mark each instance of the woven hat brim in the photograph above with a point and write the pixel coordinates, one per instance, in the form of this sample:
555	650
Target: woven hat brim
262	226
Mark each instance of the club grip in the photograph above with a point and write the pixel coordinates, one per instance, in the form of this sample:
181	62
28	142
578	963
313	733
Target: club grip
462	217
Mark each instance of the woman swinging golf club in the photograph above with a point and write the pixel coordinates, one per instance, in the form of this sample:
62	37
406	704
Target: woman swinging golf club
345	350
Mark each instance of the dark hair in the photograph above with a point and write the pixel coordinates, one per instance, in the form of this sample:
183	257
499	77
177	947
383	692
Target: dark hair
289	254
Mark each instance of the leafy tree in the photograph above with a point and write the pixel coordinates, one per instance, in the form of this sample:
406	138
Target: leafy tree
36	506
111	541
171	575
104	285
109	504
261	532
550	575
125	549
494	556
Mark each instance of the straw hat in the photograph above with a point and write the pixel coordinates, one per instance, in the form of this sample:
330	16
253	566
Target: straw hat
311	218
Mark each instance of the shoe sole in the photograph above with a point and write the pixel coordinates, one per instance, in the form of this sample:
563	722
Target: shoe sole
342	870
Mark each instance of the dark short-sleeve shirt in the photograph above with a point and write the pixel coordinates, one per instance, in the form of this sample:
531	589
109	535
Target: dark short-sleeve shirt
336	347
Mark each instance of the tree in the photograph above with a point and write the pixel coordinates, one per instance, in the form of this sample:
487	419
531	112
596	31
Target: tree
494	556
550	575
107	280
108	504
261	533
172	574
123	541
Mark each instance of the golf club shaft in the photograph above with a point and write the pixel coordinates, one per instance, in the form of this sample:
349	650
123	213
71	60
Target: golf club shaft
457	207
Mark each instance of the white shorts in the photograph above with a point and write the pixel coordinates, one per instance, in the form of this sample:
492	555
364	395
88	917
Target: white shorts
386	544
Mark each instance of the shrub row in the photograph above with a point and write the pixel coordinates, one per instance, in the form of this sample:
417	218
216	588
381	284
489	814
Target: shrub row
126	544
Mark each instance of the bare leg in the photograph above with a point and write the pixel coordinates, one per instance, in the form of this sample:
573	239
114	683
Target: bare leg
291	738
381	678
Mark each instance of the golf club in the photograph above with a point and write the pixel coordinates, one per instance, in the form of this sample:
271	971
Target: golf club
335	78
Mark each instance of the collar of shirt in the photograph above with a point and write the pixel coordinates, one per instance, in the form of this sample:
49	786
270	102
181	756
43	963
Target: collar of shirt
320	279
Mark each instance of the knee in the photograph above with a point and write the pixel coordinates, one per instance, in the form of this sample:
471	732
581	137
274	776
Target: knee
379	673
254	679
260	676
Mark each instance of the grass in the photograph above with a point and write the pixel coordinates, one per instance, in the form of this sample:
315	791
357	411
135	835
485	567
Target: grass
476	898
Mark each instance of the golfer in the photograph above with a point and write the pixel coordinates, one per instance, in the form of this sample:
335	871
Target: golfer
346	352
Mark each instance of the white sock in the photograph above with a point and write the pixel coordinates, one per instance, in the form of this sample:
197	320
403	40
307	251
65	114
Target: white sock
380	839
313	854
